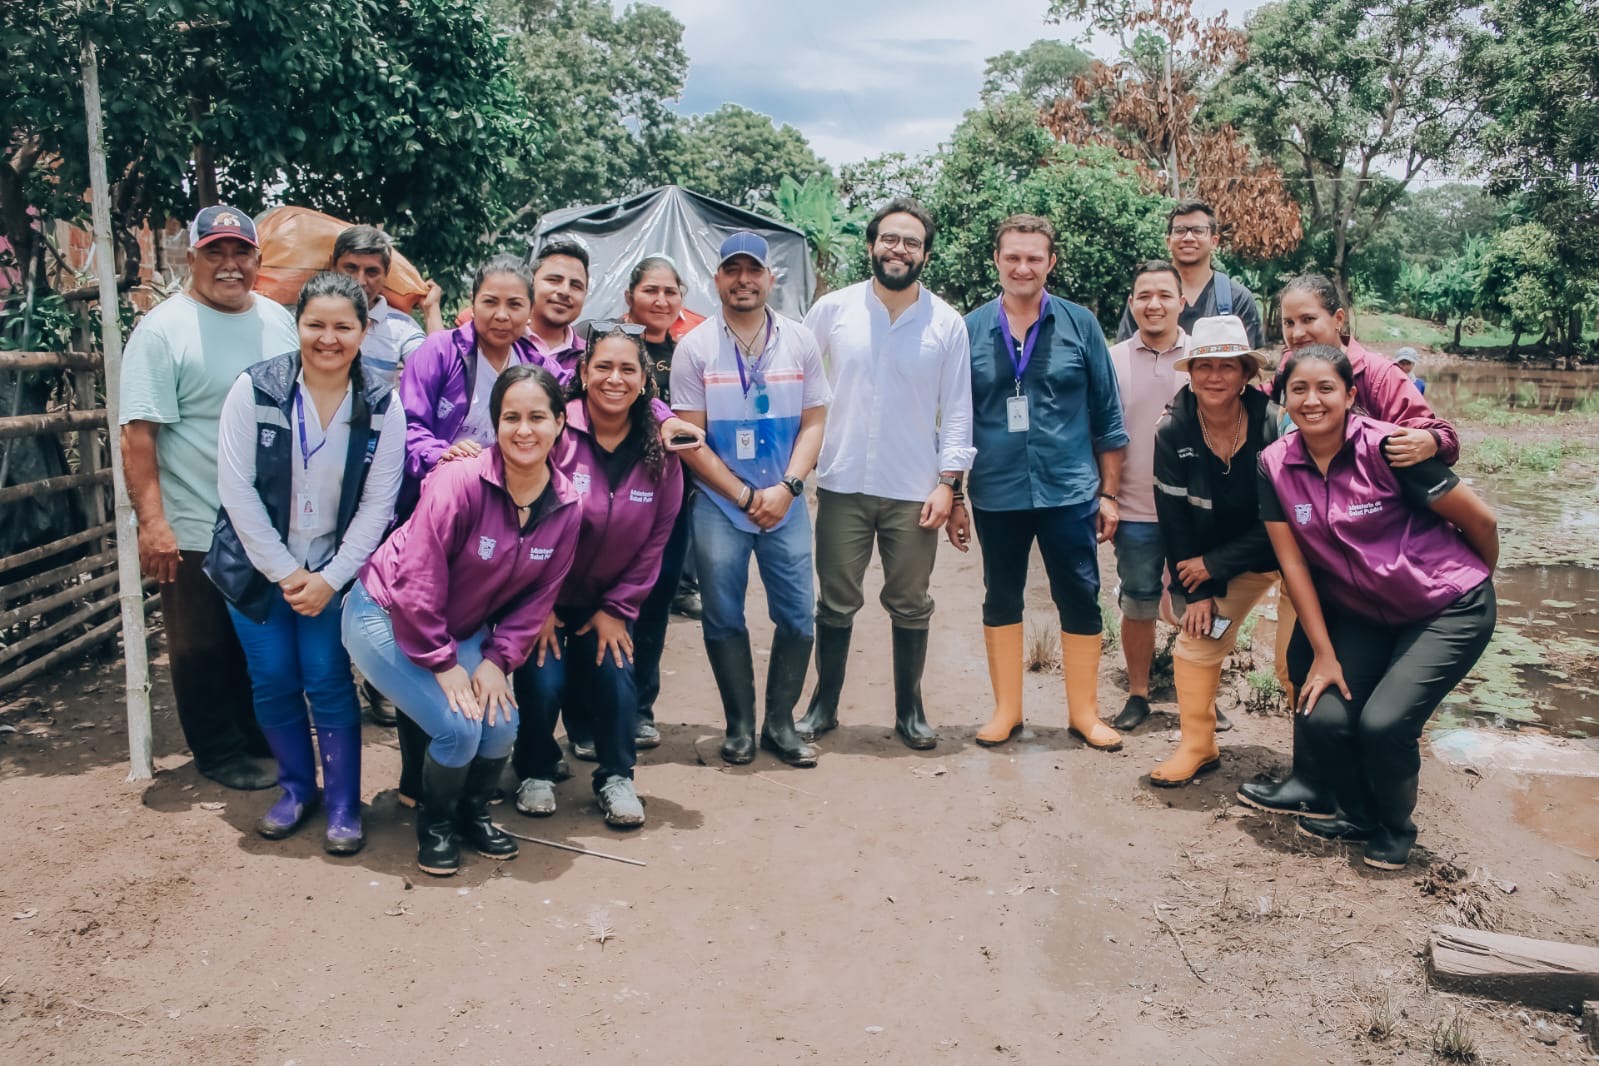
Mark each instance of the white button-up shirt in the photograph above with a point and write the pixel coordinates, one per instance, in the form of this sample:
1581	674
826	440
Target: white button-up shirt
902	393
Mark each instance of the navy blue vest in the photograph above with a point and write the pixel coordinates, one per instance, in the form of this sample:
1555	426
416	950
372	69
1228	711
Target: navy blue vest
227	565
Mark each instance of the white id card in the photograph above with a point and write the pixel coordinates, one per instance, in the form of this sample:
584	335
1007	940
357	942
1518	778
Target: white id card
746	443
1016	414
305	510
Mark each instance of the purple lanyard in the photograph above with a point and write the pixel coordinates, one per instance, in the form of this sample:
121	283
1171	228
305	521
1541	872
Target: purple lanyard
1019	363
305	452
738	353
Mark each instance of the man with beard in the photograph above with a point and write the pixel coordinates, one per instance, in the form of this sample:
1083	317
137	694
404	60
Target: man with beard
898	441
560	285
181	360
1192	236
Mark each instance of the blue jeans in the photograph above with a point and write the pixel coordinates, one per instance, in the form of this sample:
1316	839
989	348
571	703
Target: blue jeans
457	740
1140	563
606	692
784	558
294	659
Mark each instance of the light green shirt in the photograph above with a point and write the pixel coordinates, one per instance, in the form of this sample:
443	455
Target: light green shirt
178	367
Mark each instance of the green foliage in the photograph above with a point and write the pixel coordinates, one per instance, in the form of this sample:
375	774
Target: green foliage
1041	72
1527	283
814	208
873	182
1001	162
1496	455
740	156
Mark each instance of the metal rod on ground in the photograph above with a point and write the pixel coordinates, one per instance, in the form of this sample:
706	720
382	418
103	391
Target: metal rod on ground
570	847
135	655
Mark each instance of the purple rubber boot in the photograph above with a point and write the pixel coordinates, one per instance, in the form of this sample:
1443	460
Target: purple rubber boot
341	779
291	746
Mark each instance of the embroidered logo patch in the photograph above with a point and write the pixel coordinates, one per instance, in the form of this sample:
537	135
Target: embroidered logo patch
539	555
444	408
267	437
1302	513
485	548
580	481
640	496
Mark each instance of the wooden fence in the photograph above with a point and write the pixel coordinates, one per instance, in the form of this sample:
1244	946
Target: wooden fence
60	599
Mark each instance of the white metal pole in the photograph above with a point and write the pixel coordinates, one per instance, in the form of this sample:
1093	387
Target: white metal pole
134	652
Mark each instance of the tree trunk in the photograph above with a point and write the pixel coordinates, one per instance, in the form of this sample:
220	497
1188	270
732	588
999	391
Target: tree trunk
1459	324
1515	343
1171	128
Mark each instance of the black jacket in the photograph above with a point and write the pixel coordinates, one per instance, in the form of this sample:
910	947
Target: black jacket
1184	493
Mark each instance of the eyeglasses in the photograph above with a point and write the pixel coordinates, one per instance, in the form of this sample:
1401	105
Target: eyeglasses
894	240
1183	231
598	330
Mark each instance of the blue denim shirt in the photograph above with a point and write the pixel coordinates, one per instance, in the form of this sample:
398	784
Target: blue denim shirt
1074	411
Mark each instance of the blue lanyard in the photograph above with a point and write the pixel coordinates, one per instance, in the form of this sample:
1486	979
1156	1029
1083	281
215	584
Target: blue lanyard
1019	362
305	452
755	365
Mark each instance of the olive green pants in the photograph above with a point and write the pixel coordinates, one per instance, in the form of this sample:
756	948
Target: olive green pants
847	525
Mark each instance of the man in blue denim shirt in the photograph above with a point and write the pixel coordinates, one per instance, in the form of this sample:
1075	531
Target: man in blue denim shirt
1047	424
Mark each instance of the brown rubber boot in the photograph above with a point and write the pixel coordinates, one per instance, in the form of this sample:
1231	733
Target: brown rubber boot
1004	644
1079	661
1196	707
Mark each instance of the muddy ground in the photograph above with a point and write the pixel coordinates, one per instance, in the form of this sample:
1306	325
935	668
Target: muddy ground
1038	903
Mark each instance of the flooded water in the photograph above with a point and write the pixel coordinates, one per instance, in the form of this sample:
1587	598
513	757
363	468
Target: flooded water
1451	388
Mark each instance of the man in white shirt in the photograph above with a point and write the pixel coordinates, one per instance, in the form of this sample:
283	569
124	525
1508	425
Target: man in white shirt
180	362
898	440
1147	376
366	253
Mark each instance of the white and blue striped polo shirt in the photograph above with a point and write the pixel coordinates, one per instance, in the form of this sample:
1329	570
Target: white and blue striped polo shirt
391	336
786	380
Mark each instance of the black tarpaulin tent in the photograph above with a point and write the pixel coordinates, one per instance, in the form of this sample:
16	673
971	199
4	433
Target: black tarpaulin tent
686	226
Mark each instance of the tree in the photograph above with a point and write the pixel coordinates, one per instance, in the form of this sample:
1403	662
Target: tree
398	114
1001	162
1356	99
873	182
1446	290
834	233
1527	285
602	84
1043	71
1148	107
740	156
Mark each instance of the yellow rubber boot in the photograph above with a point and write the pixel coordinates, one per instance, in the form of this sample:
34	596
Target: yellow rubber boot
1079	661
1196	708
1004	644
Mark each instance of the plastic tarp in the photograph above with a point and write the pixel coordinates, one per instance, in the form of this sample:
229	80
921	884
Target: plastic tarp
297	242
689	228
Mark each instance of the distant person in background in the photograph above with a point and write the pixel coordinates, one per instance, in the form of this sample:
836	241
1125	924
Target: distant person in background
1147	377
560	287
311	454
1193	234
1405	359
180	363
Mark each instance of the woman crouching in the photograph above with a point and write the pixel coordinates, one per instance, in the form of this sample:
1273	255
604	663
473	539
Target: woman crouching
451	604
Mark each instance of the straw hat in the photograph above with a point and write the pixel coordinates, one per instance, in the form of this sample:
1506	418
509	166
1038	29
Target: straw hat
1222	337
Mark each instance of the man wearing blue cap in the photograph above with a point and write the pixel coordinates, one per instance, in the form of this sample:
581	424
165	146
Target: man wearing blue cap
180	362
753	380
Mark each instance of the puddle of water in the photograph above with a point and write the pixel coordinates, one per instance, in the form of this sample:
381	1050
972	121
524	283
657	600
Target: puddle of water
1547	805
1451	388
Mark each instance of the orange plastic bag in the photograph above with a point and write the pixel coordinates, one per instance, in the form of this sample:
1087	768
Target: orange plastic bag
297	242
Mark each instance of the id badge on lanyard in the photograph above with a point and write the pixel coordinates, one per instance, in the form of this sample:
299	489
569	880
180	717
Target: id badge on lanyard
305	511
1016	412
744	439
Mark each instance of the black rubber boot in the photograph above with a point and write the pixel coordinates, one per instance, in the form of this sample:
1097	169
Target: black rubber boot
1340	830
733	666
910	659
379	708
1301	792
832	656
1132	715
1393	801
472	819
437	850
785	683
413	744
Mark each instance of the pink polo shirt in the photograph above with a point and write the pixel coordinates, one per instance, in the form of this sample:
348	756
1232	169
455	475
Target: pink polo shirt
1148	380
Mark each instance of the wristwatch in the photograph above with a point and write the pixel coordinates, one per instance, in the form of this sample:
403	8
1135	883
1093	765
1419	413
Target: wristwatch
794	485
952	481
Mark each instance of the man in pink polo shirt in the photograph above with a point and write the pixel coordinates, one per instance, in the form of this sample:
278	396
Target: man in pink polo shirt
1147	375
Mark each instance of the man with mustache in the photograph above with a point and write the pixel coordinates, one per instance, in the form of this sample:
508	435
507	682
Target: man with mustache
180	363
899	440
560	285
753	381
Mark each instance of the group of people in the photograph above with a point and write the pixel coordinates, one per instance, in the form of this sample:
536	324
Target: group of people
495	539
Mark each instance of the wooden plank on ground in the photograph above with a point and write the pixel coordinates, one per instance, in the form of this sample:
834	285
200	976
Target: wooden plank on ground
1545	974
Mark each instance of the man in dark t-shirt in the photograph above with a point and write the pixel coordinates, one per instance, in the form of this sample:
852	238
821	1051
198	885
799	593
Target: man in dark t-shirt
1192	236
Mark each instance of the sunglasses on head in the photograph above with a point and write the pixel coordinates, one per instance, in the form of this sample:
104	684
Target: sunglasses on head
598	330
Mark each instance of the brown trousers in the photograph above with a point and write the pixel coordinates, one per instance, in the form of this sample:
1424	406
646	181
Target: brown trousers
210	682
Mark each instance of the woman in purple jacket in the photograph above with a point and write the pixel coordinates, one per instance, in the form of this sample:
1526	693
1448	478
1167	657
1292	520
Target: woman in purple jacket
1390	569
631	491
449	607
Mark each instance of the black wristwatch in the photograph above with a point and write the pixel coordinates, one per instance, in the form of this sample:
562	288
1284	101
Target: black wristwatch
794	485
951	481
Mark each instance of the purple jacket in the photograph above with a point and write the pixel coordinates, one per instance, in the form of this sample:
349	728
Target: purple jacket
460	562
625	526
1372	550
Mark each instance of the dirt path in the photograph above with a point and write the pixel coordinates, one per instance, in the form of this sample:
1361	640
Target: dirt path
1022	905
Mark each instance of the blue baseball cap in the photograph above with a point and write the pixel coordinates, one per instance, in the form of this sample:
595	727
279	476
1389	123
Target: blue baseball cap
745	243
219	221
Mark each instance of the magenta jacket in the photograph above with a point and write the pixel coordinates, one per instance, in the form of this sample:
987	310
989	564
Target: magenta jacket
1374	547
460	562
1387	394
625	526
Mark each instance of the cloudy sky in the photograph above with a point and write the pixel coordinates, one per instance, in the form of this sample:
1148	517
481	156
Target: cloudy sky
858	77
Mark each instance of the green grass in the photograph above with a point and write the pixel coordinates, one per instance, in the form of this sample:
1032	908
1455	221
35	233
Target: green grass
1497	455
1402	329
1492	412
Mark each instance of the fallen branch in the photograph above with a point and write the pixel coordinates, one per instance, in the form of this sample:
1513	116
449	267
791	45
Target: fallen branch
102	1010
571	847
1164	924
785	784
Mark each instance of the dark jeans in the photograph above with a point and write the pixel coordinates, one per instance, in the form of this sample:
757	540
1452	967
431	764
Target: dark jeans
606	692
1366	749
649	632
210	681
1066	540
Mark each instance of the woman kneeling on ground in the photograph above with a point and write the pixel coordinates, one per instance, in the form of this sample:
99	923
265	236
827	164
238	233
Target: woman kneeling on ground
309	461
631	491
452	602
1206	496
1390	569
